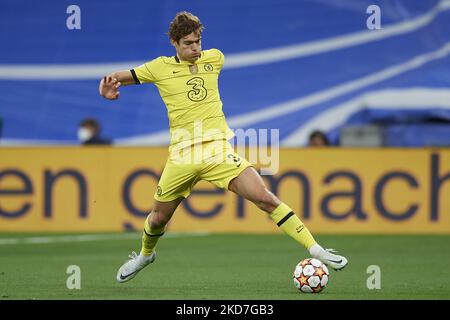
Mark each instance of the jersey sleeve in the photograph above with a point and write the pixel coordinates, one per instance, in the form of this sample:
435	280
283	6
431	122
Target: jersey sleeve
221	58
145	73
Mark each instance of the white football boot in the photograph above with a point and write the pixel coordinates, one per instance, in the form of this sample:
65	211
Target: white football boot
136	263
331	259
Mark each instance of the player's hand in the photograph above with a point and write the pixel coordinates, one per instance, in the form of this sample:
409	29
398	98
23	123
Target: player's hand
109	88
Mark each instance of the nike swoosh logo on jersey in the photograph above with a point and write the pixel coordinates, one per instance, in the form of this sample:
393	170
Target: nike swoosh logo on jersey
122	277
176	71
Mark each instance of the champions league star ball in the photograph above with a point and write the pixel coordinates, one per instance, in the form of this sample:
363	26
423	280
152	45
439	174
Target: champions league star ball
311	275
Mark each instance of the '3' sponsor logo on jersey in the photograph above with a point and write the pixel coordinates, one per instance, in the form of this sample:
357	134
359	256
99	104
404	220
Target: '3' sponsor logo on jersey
198	92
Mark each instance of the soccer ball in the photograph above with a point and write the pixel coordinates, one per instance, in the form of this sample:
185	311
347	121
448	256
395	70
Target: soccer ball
311	275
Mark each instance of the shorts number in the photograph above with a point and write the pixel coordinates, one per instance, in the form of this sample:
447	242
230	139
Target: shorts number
237	160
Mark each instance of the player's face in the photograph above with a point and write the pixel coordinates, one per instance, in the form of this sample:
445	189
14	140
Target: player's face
317	142
189	47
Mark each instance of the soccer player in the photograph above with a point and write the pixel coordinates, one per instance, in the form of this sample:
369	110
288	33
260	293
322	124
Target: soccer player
188	85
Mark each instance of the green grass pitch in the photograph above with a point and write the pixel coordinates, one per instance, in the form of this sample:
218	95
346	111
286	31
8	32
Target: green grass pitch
232	266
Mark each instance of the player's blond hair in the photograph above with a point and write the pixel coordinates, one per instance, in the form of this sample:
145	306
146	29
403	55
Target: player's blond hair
184	24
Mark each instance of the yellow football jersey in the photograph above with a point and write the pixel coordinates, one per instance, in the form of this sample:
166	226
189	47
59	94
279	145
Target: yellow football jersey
190	92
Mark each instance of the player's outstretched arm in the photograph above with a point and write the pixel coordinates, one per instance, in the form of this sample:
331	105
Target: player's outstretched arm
109	85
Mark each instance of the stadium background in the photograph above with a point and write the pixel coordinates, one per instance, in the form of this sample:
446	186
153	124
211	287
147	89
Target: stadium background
290	65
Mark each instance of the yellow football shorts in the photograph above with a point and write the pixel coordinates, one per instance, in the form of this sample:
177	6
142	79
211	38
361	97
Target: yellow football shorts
213	161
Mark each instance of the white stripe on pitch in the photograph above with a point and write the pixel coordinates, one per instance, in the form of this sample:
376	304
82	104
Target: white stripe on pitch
281	109
90	237
409	98
76	71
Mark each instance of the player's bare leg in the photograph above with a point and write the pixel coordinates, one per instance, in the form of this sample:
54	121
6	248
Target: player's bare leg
250	185
154	227
155	224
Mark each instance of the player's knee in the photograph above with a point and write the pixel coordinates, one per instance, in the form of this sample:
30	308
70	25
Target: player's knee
159	220
267	201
